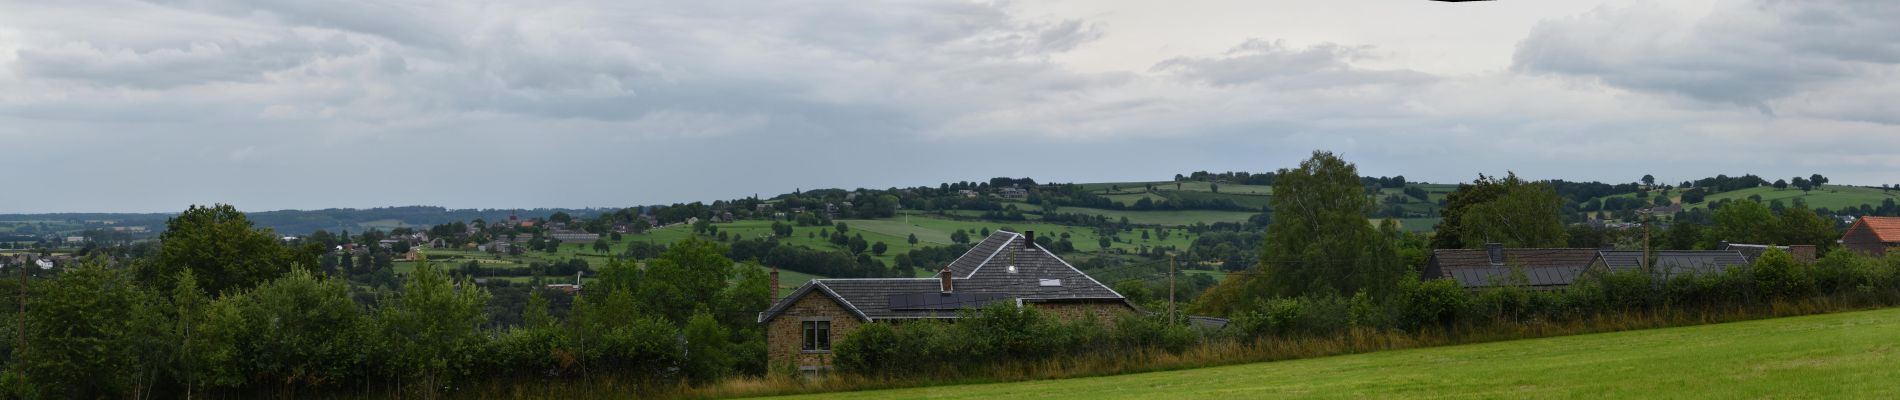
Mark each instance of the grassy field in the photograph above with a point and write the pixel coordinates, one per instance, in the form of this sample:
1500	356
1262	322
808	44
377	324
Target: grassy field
1417	224
1844	355
1829	197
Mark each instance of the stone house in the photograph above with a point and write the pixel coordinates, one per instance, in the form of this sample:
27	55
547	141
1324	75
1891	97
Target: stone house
1005	268
1872	236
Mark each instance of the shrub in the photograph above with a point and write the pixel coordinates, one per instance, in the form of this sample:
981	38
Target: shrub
1430	303
873	349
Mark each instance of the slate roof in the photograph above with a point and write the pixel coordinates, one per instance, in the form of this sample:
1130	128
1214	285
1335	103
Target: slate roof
1750	252
981	276
1676	262
1544	268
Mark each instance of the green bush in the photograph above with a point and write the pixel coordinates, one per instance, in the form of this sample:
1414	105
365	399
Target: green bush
1430	303
872	350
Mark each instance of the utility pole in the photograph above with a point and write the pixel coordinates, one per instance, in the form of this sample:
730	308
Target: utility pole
1646	243
21	347
1171	288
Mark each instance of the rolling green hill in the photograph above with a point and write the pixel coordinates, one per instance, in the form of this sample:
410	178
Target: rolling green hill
1830	196
1845	355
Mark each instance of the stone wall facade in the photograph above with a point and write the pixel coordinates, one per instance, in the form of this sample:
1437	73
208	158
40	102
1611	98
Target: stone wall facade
785	334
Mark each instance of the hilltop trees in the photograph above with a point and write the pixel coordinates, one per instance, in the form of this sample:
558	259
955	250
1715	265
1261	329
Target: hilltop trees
220	247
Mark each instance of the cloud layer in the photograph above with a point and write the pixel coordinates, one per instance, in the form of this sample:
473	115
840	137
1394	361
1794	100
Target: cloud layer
148	106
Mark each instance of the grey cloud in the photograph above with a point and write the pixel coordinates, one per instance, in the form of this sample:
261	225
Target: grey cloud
1745	52
1273	63
834	66
192	63
634	102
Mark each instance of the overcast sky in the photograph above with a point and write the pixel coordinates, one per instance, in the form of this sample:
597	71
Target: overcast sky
276	104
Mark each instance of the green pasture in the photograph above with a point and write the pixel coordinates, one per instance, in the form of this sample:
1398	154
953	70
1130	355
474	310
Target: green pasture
1833	356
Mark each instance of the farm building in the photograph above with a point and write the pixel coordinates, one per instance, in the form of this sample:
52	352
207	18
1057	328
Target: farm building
1005	268
574	236
1669	263
1495	265
1872	235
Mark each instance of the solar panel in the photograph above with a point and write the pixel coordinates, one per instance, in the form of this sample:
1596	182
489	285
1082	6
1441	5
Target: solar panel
941	301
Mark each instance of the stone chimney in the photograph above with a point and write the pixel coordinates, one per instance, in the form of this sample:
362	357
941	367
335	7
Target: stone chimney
1496	252
945	275
775	283
1029	239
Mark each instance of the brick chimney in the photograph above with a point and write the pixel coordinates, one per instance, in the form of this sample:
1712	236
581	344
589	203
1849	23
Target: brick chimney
775	283
945	275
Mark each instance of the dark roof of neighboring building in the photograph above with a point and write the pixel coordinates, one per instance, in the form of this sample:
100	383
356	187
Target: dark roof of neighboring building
1750	252
981	276
1675	262
1885	228
1543	267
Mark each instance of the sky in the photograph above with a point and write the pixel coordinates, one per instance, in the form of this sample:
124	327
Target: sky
150	106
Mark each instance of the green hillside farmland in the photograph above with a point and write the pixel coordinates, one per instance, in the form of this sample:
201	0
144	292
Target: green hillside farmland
1164	218
1830	196
1844	355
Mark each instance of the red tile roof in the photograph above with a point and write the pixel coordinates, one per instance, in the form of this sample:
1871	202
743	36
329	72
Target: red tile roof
1887	228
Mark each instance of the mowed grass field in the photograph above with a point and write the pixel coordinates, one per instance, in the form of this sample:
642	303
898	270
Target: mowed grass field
1844	355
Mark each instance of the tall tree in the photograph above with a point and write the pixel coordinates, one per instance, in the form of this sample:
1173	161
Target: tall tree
1744	221
433	329
220	247
1801	226
688	274
1451	222
299	330
1525	214
93	335
1320	240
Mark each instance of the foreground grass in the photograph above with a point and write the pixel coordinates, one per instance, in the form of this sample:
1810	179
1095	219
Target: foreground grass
1843	355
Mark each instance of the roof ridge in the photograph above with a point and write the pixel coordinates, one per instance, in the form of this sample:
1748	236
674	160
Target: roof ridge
999	250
